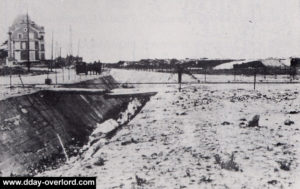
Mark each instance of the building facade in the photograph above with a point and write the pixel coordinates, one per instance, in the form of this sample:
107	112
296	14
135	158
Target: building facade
20	47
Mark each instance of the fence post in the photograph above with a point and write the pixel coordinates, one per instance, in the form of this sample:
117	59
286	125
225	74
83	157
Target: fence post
10	79
21	81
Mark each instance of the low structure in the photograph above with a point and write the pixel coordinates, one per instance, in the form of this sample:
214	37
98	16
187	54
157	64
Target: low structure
295	65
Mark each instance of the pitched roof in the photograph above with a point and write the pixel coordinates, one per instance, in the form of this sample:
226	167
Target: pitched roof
22	19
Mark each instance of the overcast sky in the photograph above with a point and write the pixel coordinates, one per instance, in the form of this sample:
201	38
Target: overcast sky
112	30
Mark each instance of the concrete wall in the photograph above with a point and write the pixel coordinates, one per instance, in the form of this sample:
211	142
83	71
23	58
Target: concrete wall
107	82
30	124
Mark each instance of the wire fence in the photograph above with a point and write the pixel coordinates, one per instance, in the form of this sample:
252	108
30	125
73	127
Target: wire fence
237	75
195	76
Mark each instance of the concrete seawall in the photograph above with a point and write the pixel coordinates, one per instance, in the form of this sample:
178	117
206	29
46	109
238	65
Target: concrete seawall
107	82
31	124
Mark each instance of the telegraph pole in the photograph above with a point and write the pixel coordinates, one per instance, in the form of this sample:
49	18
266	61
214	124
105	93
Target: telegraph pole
62	65
51	53
70	53
71	45
55	63
78	47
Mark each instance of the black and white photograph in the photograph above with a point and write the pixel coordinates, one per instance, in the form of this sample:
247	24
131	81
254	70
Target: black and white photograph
150	94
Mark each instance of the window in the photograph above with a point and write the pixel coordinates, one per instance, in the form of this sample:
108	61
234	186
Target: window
42	56
24	55
31	45
20	36
31	35
23	46
42	47
17	55
36	45
37	55
32	55
17	45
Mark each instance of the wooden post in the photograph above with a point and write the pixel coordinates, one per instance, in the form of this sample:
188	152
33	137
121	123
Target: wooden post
179	79
21	81
51	53
10	79
179	87
180	71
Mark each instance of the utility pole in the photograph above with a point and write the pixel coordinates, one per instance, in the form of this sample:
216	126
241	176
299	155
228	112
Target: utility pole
62	65
78	48
10	86
68	62
28	43
71	52
71	46
55	63
51	53
60	51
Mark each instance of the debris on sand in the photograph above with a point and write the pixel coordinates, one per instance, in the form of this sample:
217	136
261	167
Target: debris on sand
254	121
273	182
132	141
100	161
205	180
225	123
140	181
230	165
288	122
294	112
285	165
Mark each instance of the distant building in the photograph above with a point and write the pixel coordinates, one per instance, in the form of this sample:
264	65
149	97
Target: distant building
3	56
295	66
18	40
